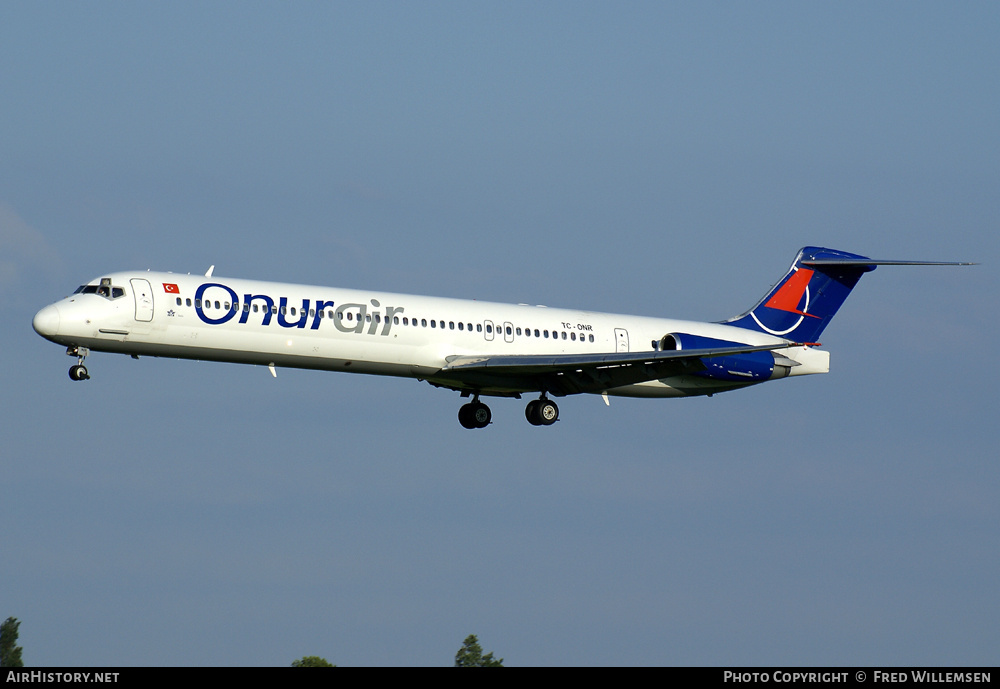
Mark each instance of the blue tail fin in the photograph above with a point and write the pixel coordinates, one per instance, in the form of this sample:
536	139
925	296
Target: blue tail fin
804	302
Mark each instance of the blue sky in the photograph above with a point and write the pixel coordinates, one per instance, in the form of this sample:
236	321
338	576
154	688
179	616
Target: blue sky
652	158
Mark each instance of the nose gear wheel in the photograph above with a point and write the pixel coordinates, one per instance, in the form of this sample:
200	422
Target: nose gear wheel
78	371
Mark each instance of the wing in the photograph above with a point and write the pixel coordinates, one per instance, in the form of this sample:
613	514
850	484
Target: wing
569	374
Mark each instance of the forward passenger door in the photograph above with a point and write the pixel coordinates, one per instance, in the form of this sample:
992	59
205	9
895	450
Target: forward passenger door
143	295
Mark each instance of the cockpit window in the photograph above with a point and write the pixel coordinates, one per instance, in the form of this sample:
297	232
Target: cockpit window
105	289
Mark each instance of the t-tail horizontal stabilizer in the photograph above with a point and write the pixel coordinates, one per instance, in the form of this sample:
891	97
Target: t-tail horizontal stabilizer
804	302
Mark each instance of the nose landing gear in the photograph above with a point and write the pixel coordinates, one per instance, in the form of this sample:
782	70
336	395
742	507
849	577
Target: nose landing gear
78	371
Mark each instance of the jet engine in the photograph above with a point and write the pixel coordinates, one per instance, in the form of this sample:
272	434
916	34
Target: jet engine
750	367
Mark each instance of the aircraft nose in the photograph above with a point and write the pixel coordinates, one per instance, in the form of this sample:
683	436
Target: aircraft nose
46	321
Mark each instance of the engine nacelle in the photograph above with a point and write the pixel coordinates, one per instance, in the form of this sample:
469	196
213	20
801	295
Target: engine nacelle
751	367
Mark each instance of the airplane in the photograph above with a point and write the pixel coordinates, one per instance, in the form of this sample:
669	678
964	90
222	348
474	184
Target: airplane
479	349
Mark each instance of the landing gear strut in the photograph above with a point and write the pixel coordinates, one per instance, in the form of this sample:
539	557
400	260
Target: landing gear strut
541	412
78	371
475	414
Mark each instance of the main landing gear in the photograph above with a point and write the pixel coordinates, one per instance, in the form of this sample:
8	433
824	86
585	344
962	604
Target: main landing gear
475	414
78	371
540	412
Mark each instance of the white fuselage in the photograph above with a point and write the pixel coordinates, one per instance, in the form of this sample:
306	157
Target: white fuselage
360	331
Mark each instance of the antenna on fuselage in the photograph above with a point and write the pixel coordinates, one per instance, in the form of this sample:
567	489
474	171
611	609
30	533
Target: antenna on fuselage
210	269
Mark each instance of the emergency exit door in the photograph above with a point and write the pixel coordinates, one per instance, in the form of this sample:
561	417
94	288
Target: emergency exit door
621	340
